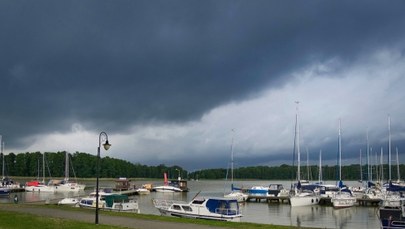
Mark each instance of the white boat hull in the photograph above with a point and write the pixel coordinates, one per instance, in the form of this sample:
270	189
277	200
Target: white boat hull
167	189
240	197
39	189
222	209
343	201
302	200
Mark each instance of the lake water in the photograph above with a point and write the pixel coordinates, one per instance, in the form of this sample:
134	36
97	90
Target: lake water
267	213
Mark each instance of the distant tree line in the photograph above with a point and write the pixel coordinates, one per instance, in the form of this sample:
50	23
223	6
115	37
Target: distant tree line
287	172
82	165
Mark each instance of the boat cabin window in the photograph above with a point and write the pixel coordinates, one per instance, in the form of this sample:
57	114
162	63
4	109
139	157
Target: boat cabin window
176	207
187	208
198	201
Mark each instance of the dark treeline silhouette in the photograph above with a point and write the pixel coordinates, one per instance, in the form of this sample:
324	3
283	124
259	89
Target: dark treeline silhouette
287	172
82	165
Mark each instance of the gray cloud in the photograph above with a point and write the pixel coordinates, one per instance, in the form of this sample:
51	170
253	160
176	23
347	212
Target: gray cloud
111	65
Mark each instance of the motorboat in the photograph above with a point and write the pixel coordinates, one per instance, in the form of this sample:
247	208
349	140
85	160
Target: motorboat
142	191
211	208
392	217
167	187
110	201
69	201
238	195
277	190
4	191
256	191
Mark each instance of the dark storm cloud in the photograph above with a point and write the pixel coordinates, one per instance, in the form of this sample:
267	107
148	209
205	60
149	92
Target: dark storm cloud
111	64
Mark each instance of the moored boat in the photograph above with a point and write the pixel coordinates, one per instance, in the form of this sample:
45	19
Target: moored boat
69	201
167	187
392	217
212	208
4	191
110	201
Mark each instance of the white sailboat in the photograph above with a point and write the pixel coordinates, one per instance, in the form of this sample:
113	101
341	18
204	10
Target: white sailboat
301	197
66	185
344	197
39	186
235	194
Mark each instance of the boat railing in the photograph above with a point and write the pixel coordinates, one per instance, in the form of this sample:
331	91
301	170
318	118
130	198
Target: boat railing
165	204
227	211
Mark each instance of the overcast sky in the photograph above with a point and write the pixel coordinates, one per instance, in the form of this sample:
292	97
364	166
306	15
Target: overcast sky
169	80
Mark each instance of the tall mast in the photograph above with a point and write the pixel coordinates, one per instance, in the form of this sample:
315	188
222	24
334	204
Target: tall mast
232	156
389	147
369	178
308	178
2	155
43	168
297	134
382	165
340	152
398	173
320	167
361	168
66	166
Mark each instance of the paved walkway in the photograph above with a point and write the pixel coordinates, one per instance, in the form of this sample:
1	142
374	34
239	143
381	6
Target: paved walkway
103	219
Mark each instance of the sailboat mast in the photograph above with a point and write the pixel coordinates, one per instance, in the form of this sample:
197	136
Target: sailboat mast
398	173
2	155
361	168
43	168
320	167
389	147
66	166
382	165
297	134
340	152
368	160
232	156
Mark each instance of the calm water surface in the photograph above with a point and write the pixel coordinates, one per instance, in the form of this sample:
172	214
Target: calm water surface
267	213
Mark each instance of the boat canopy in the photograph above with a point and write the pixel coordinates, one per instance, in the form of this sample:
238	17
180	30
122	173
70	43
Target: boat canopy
223	206
114	198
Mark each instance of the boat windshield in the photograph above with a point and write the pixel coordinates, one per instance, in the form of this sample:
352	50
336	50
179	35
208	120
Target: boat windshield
223	207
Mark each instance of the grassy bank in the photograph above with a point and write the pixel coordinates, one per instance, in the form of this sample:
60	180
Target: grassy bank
23	220
11	219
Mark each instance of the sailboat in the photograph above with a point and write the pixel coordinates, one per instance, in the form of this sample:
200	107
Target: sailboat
301	196
39	186
344	197
66	185
235	194
4	190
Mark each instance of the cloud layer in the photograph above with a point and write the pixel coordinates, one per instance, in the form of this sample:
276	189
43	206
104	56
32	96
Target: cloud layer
169	81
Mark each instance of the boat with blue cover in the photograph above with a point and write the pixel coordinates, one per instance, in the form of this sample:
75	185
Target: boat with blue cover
211	208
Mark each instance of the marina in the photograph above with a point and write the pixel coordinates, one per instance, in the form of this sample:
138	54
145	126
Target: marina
265	210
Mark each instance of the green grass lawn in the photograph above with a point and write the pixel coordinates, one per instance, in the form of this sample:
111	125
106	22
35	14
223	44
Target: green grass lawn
21	220
9	219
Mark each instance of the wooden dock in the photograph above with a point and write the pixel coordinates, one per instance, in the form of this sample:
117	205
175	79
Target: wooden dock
323	200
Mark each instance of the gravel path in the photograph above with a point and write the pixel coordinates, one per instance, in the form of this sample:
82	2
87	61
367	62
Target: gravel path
103	219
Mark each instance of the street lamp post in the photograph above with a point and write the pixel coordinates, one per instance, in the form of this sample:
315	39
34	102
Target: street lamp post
103	137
